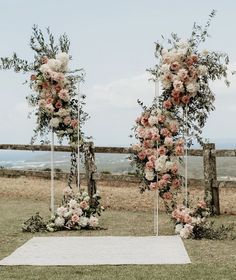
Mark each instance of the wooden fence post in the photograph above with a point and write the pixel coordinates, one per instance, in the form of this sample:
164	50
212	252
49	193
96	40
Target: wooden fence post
90	168
210	178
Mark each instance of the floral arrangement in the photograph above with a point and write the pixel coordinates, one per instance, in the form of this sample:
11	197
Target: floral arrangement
54	96
156	156
55	103
185	73
193	223
76	212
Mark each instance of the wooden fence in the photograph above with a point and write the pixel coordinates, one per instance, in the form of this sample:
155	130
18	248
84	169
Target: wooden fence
209	154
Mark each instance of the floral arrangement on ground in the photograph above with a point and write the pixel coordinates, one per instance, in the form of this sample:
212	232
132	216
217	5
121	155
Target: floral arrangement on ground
76	213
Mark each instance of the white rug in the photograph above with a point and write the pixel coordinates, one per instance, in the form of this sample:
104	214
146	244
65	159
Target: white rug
112	250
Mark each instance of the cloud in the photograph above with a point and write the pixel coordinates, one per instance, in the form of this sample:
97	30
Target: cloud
122	93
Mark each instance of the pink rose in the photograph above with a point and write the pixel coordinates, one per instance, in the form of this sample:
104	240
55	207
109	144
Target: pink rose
167	196
175	66
45	85
64	95
58	105
167	104
166	177
49	100
144	121
169	141
74	123
150	164
175	183
175	100
67	120
187	219
162	183
162	151
165	132
74	218
142	155
185	99
201	204
83	205
161	119
194	58
175	94
179	150
155	137
174	168
33	77
57	88
189	61
174	126
153	186
148	144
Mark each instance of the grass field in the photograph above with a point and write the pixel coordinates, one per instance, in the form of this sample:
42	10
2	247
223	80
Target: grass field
210	259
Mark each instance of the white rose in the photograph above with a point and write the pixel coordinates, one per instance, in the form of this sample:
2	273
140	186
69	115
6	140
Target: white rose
165	68
202	70
166	84
59	222
160	163
93	221
87	198
64	59
54	122
205	52
178	228
68	214
61	211
44	68
149	175
169	165
63	112
192	87
152	120
54	64
73	203
78	211
83	221
186	231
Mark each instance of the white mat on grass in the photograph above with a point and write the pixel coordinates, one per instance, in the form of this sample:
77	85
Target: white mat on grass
113	250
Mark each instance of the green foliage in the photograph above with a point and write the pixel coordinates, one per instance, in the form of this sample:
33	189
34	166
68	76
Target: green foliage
34	224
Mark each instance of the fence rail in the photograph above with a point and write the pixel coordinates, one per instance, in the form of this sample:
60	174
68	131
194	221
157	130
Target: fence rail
108	150
209	154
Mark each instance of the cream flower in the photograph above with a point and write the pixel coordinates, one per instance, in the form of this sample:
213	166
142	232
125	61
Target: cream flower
54	64
54	122
93	221
59	222
83	221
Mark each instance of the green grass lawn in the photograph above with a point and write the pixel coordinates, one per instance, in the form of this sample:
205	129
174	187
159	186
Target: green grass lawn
210	259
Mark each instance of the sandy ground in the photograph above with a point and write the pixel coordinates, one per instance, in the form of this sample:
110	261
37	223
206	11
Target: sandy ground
120	196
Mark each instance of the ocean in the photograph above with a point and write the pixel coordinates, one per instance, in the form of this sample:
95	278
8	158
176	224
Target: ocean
113	163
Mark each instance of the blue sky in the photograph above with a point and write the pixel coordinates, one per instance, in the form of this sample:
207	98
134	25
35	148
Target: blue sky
114	42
